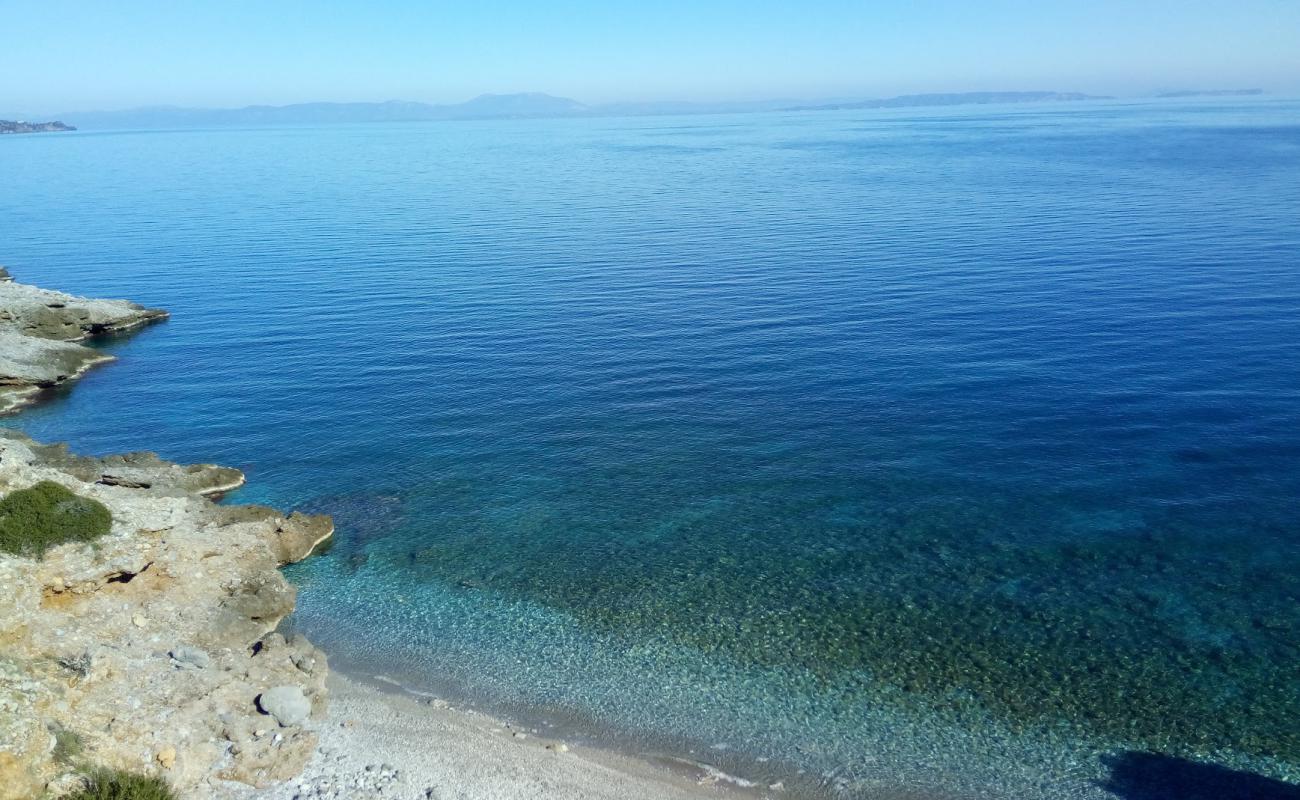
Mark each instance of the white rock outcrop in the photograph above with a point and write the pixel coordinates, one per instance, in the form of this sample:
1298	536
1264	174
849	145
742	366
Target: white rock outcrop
39	331
150	647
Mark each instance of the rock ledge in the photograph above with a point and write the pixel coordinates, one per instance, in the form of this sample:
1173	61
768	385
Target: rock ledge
39	334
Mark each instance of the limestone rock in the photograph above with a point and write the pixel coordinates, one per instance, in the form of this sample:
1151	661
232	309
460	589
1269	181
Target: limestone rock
142	470
148	647
205	577
300	533
167	757
39	329
287	704
191	657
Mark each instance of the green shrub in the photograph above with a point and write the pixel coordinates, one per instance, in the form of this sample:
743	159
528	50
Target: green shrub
68	745
113	784
36	519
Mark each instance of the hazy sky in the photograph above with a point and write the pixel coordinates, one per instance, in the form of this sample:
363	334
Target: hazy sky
86	54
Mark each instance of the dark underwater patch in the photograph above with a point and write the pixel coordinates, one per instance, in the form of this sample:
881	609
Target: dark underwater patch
1156	776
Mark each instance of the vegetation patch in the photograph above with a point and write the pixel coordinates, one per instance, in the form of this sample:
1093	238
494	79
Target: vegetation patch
112	784
68	744
36	519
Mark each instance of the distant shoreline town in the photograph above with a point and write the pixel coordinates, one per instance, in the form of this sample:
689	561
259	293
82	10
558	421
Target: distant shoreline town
20	126
536	105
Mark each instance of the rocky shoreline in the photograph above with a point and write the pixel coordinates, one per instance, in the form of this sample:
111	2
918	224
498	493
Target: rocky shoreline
150	649
40	331
153	648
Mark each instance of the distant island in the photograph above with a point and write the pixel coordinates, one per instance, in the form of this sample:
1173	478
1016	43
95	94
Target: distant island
19	126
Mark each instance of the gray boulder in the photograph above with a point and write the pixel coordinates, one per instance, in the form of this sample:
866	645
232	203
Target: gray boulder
287	704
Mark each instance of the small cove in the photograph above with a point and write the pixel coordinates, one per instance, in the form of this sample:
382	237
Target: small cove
848	440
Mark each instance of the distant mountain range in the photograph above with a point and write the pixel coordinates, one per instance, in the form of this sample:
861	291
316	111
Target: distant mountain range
1211	93
959	99
488	106
533	104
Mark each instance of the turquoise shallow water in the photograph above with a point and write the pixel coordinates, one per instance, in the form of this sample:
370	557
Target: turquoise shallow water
947	451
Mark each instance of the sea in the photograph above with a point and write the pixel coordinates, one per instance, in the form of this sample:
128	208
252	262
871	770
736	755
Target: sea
946	453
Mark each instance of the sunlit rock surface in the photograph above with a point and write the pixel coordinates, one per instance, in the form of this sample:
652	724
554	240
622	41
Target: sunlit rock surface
149	647
146	649
39	334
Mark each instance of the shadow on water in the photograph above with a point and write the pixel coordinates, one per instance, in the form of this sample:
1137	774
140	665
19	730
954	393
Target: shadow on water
1154	776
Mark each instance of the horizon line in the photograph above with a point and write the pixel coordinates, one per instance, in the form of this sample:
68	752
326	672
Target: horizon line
558	105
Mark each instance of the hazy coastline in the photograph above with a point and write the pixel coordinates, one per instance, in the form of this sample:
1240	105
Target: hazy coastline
539	105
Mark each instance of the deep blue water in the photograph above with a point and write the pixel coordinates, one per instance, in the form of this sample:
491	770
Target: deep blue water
944	450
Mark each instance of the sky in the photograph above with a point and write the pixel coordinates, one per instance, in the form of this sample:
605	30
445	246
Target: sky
68	55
